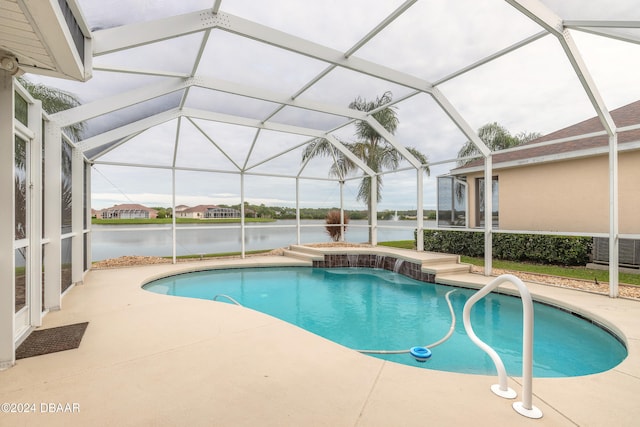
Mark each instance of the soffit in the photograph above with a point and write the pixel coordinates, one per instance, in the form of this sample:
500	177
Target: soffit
44	38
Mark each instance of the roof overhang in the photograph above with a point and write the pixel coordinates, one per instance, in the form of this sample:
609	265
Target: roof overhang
47	37
572	155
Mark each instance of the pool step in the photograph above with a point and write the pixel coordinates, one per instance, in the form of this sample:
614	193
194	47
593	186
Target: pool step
316	252
445	269
304	256
438	264
437	258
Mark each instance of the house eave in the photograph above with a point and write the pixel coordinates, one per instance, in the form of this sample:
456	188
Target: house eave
48	37
573	155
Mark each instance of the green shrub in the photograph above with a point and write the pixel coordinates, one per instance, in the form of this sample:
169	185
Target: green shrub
536	248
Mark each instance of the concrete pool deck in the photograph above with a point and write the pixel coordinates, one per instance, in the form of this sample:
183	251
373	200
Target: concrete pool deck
149	359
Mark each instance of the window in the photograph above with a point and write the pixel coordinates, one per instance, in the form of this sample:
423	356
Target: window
66	188
20	183
21	112
480	202
452	202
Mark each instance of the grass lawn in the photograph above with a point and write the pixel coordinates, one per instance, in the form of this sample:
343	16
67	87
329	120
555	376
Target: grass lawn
551	270
556	270
402	244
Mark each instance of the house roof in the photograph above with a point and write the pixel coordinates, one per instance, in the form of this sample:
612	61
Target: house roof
594	141
129	206
199	208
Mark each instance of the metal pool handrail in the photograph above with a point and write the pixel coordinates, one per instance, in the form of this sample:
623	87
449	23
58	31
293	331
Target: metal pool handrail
215	298
502	389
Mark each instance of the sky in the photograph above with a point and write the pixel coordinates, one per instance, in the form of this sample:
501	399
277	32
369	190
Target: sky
533	89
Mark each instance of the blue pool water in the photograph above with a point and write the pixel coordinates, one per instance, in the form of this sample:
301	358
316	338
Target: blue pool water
377	309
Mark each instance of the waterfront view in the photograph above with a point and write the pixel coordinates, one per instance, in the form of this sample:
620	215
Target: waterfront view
112	241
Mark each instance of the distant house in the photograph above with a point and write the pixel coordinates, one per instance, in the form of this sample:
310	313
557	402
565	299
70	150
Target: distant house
207	211
549	187
127	211
218	212
194	212
180	208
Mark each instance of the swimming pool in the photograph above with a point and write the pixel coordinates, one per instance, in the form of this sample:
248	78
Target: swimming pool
364	308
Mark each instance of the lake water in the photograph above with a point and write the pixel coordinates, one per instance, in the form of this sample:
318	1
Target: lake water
112	241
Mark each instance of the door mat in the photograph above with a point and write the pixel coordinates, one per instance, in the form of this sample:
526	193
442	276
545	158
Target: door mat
52	340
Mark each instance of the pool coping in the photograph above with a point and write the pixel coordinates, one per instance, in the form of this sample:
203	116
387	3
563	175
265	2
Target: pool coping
136	339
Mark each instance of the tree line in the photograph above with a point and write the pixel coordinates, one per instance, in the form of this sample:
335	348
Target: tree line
282	212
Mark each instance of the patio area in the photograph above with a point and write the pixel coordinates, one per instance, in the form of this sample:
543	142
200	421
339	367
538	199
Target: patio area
149	359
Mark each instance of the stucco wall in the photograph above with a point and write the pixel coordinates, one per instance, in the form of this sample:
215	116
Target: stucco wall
566	196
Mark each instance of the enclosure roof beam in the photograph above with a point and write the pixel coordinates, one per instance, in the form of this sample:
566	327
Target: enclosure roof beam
605	32
492	57
206	135
278	127
128	36
132	35
392	140
116	102
589	85
125	131
216	6
541	14
140	71
278	98
304	47
601	24
550	21
381	26
460	122
254	123
106	105
347	153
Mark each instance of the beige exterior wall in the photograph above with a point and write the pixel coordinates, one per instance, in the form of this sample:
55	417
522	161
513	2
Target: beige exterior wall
570	195
189	215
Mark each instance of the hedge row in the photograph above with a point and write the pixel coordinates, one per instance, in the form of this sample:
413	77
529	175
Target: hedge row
537	248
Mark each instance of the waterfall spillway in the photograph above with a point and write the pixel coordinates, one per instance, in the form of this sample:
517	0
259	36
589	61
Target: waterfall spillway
397	265
352	260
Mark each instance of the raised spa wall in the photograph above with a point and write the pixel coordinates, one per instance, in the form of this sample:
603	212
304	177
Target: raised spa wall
398	265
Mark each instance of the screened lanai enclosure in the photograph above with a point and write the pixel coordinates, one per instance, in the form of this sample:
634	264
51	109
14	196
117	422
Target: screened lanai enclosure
220	102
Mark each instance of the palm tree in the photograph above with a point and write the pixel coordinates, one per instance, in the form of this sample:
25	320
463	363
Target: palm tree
53	101
497	138
369	147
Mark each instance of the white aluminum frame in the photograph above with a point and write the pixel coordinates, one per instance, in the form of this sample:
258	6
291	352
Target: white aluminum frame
208	20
